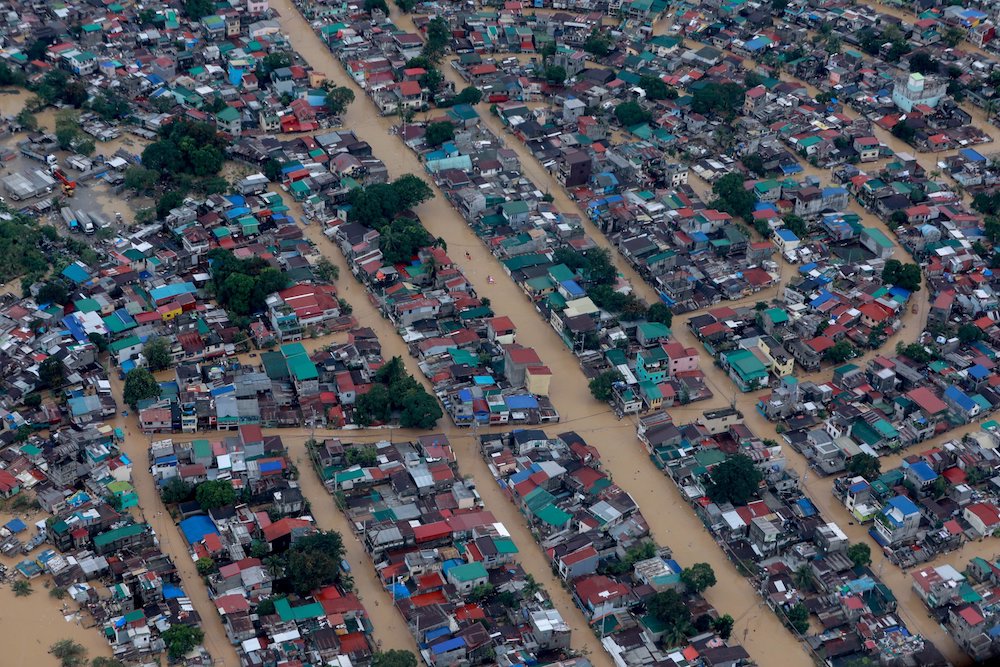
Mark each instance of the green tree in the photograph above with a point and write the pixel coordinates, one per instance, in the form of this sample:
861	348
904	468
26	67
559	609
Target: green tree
182	639
69	653
380	5
669	608
660	312
865	465
840	352
735	480
796	225
953	36
431	80
27	120
798	618
53	291
602	386
327	271
656	89
22	588
438	38
723	625
215	493
167	202
906	276
698	577
732	197
50	372
265	607
140	179
555	74
196	9
101	661
394	658
754	163
903	131
598	43
438	133
469	95
630	114
923	63
272	169
340	97
375	405
314	561
969	332
157	353
860	554
722	98
419	410
33	400
176	491
205	566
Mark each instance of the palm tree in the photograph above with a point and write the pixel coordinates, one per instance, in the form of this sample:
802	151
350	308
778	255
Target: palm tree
803	577
275	565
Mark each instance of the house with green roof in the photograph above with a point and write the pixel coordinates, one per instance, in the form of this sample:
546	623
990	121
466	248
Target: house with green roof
133	536
467	576
745	369
303	371
229	121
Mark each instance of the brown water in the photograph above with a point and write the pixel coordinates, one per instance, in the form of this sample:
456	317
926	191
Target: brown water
765	639
39	618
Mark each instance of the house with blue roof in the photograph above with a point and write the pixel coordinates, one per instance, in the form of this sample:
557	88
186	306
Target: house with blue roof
960	404
920	474
785	240
897	523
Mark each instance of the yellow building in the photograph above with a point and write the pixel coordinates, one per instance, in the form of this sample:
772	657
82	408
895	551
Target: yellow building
536	380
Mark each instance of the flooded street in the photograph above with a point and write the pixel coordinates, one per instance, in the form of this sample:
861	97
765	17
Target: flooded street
760	631
152	510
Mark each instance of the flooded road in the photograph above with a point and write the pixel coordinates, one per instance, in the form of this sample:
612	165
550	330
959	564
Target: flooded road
38	619
763	636
172	543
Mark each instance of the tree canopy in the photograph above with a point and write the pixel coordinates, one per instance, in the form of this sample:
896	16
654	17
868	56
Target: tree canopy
723	98
394	658
907	276
339	97
438	133
735	480
182	639
157	353
630	114
186	148
243	285
215	493
395	390
602	386
865	465
314	561
860	553
438	38
732	197
140	385
698	577
598	43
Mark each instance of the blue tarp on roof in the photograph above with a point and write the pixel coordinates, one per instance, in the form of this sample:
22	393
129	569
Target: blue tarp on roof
521	402
450	645
225	389
197	527
972	155
15	525
171	592
573	289
128	365
237	200
437	633
75	328
899	294
270	466
806	507
399	591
